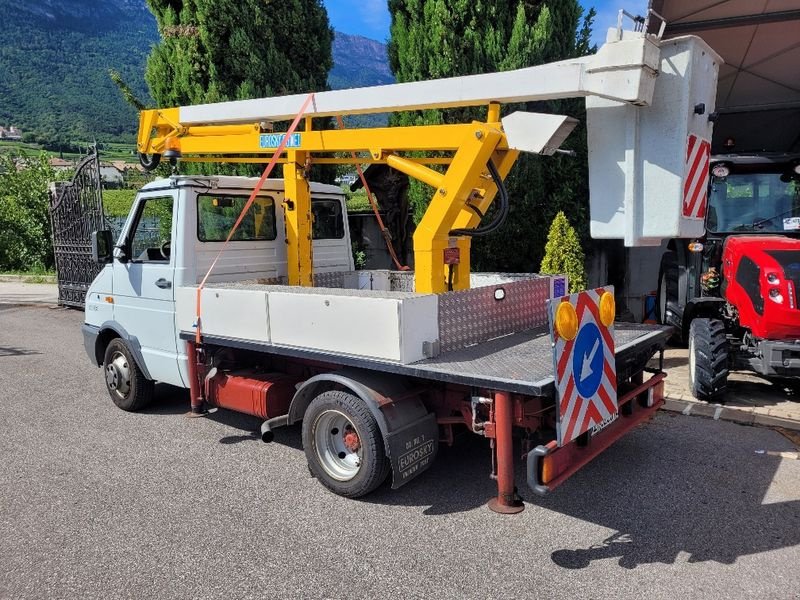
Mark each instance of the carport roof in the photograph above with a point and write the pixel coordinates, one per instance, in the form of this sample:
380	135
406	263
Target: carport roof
758	95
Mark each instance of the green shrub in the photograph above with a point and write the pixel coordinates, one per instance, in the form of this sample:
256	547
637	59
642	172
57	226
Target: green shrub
25	239
563	254
357	201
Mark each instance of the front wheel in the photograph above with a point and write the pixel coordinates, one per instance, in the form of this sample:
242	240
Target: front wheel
126	384
708	359
343	444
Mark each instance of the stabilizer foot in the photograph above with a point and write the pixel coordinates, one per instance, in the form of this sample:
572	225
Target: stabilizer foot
505	508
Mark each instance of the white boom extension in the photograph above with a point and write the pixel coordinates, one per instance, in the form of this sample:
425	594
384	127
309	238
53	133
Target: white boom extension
624	71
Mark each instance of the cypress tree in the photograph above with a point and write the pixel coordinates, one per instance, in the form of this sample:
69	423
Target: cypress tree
216	50
445	38
563	254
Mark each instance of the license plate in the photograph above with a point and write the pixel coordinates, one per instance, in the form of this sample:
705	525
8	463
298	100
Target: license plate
604	423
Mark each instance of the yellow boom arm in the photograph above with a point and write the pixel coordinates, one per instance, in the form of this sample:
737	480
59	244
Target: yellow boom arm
465	183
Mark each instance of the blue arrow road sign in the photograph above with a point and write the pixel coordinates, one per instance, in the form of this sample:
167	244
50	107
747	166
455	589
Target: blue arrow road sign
587	360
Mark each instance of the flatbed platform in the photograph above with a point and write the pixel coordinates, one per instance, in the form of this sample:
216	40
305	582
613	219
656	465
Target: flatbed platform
520	362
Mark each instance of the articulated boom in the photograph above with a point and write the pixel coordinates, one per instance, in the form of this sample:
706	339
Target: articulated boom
476	156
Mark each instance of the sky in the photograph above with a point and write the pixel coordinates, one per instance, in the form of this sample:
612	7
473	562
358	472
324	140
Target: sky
370	18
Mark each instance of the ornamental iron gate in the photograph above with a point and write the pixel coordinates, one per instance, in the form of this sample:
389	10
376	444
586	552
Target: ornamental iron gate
76	210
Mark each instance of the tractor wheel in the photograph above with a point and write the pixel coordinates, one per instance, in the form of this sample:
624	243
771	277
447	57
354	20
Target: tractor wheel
708	359
668	291
343	444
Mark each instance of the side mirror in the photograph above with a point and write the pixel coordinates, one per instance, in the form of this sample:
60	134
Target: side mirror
102	246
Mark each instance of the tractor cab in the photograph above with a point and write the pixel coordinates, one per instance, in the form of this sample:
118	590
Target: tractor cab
754	194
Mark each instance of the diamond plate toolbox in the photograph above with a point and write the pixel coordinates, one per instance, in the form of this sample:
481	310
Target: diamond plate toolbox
472	316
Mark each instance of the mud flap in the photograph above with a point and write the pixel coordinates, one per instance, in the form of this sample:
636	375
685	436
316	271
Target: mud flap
412	449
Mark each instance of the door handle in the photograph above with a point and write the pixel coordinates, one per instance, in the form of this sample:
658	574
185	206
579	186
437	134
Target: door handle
163	284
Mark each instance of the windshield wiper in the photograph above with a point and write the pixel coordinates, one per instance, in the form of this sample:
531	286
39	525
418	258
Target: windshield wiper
780	214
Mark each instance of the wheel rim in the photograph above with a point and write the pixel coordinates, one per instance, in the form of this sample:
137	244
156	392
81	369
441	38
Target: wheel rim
692	378
118	375
338	445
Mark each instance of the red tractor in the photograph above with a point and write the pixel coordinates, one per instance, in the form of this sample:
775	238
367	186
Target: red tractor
733	295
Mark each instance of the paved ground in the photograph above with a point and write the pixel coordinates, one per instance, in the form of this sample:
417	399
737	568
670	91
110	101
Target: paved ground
98	503
750	399
12	292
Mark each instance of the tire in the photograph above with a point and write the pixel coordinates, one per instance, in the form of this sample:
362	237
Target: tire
126	384
343	444
708	359
668	291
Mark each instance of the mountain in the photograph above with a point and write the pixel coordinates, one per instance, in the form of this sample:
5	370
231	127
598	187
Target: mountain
358	62
56	54
54	65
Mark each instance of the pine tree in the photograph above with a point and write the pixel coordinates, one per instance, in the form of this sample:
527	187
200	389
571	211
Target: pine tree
444	38
563	254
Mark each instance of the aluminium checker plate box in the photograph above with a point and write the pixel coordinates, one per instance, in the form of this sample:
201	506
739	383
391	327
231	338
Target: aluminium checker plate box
401	327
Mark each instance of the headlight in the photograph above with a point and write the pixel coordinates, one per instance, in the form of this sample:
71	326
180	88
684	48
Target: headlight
776	296
773	279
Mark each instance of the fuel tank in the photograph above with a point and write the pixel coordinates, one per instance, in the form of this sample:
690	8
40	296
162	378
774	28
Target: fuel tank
263	395
761	277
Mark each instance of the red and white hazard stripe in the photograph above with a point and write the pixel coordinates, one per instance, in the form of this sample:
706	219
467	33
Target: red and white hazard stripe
577	414
695	187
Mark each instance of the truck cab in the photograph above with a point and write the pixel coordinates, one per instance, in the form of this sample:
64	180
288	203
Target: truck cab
174	232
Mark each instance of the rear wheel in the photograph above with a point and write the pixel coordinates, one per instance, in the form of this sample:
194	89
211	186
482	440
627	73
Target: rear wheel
708	359
126	384
343	444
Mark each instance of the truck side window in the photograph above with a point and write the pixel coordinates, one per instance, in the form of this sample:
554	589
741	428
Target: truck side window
217	214
151	240
328	220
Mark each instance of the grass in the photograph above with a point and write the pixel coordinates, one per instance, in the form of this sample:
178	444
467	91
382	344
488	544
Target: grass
117	203
110	151
38	275
35	272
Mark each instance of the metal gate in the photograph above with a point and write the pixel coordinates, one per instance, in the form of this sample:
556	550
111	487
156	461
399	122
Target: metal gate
76	210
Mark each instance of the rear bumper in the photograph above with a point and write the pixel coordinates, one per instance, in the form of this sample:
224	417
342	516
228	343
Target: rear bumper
549	466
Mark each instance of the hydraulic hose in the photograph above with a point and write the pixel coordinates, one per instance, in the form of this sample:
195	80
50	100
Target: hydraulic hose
502	212
149	162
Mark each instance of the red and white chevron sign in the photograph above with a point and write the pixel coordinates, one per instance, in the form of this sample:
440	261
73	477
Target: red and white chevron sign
695	188
585	367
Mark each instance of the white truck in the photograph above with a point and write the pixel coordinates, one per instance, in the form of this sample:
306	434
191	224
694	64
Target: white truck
383	366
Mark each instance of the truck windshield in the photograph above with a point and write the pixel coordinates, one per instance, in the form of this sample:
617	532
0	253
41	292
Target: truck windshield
754	202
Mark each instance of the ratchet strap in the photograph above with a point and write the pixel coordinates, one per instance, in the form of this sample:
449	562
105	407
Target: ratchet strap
272	162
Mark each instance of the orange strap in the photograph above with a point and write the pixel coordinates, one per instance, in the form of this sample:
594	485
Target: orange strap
272	162
374	206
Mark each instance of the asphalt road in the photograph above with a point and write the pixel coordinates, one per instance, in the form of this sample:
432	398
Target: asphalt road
98	503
